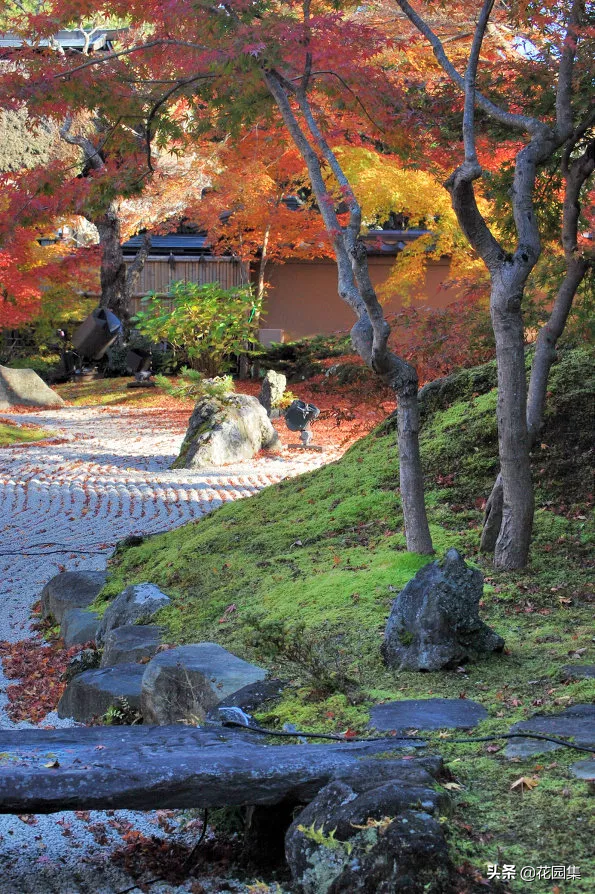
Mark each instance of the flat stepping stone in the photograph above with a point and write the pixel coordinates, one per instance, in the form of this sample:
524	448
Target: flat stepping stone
584	770
576	723
130	643
91	693
427	713
578	672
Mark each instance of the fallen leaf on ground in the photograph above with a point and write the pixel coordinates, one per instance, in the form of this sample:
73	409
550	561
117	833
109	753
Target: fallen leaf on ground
525	782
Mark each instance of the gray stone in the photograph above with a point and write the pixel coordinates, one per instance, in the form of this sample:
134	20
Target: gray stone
225	431
184	683
384	839
91	693
23	387
144	768
137	603
434	621
585	770
79	626
427	713
251	697
576	723
272	390
70	589
132	642
86	660
578	672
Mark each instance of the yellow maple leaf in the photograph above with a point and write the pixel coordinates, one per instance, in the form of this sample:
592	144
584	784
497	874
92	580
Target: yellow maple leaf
525	782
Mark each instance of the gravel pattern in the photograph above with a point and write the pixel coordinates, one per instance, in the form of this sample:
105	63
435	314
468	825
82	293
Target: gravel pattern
65	504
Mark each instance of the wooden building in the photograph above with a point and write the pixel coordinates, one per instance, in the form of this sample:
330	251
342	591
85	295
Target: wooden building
302	297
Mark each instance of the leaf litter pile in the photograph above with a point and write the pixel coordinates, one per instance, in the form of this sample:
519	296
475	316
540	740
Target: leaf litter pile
39	668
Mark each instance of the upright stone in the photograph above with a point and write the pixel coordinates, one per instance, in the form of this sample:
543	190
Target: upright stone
23	387
183	683
223	431
79	626
272	390
434	621
133	642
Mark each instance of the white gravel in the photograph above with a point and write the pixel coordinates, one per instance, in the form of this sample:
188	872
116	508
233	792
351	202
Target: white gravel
67	504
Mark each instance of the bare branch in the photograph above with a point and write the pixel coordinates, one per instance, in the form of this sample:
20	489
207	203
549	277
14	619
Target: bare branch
566	68
471	82
161	102
102	60
520	122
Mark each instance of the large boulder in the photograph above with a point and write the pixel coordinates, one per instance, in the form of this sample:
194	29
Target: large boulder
79	625
68	590
91	693
184	683
223	431
136	604
434	621
374	832
272	390
23	387
133	642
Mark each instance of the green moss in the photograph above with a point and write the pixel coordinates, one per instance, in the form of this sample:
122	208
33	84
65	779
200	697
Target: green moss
326	551
16	434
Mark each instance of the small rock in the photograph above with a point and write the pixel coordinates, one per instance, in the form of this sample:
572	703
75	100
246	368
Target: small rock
576	723
434	621
137	603
70	589
91	693
272	390
427	713
225	431
184	683
86	660
251	697
23	387
130	643
79	626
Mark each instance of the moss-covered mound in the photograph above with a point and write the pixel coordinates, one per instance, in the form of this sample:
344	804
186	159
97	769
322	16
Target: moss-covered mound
302	576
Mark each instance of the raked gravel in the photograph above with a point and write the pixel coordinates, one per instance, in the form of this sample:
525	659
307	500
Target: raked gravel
66	504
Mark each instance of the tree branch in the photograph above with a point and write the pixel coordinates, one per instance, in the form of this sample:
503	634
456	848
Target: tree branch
519	122
566	68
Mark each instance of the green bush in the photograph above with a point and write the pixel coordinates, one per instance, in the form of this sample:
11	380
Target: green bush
206	324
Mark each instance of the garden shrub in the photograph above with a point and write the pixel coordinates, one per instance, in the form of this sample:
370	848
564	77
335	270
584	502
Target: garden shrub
206	324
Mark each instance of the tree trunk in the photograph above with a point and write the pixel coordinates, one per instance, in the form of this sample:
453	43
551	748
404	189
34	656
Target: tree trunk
545	354
113	268
417	531
370	333
512	545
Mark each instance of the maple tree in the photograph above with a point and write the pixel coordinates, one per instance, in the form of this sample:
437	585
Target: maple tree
188	47
184	75
553	120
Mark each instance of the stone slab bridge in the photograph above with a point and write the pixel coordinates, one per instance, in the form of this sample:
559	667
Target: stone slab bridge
147	768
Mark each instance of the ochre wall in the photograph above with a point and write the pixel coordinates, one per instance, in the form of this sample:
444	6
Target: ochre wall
302	297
